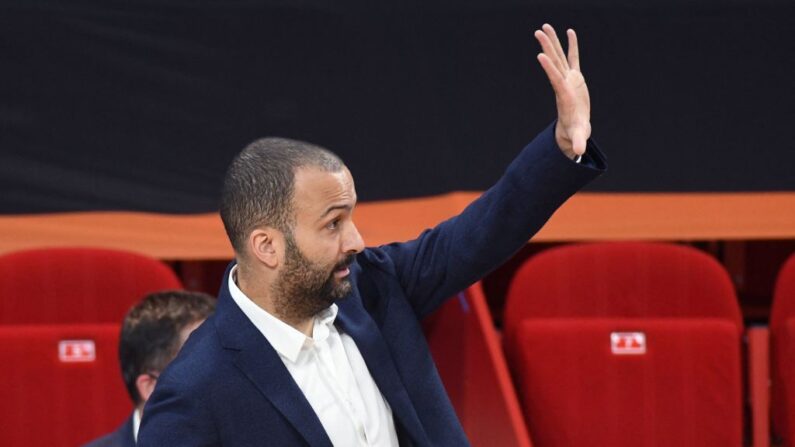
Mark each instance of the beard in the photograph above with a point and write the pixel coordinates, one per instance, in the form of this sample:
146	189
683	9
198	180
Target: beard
306	288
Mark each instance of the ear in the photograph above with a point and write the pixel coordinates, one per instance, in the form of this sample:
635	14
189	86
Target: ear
145	384
264	244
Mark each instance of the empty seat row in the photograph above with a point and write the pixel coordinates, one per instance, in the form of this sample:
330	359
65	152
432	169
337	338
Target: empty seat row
609	344
627	344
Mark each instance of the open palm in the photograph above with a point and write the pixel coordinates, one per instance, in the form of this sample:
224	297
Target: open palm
571	93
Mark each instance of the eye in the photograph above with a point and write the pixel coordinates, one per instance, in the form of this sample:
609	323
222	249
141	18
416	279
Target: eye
333	224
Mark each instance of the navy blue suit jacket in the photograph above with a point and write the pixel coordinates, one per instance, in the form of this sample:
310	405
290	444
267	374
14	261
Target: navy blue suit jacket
229	387
122	437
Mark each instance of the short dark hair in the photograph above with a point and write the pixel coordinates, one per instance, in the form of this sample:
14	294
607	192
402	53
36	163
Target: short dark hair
258	186
150	334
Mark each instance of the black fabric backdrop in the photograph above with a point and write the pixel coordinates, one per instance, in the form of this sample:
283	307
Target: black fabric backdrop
140	105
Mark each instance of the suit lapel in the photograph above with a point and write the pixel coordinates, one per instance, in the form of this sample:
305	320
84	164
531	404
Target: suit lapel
356	322
261	364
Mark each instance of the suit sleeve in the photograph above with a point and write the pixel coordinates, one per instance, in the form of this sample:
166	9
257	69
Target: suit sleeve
448	258
176	417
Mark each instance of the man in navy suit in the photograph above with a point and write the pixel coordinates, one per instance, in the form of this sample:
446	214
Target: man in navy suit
317	340
152	333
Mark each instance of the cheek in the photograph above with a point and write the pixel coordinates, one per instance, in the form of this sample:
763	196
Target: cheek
331	257
320	246
323	251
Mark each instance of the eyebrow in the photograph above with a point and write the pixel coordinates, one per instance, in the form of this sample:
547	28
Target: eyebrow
335	207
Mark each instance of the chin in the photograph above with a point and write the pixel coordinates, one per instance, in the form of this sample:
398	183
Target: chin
342	289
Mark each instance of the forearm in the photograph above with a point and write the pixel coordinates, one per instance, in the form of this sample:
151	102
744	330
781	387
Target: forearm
461	250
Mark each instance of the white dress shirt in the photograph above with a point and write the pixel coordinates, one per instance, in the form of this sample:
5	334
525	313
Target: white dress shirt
136	423
330	371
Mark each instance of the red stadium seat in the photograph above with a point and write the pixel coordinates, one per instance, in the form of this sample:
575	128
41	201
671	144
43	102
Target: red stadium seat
63	384
466	349
782	351
626	344
76	285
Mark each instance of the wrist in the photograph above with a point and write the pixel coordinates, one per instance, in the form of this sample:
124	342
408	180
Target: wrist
564	143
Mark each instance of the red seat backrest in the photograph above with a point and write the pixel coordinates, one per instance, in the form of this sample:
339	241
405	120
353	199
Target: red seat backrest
77	285
54	394
621	279
567	305
782	353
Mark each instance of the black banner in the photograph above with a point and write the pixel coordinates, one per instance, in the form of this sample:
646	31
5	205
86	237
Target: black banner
140	105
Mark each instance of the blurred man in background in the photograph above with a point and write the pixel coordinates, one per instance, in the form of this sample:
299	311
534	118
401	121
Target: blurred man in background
152	334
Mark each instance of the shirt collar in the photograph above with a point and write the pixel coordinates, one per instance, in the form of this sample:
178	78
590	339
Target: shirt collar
285	339
136	423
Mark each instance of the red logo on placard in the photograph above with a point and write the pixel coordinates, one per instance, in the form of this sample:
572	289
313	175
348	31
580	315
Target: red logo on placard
628	343
70	351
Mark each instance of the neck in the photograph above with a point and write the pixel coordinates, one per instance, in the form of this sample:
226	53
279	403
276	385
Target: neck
260	293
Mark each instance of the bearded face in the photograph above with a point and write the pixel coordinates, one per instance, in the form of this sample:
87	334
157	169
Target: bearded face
305	288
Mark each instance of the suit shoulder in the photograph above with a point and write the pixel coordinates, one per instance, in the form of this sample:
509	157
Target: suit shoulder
199	361
377	258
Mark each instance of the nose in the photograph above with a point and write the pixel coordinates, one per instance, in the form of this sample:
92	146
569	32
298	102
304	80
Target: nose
353	242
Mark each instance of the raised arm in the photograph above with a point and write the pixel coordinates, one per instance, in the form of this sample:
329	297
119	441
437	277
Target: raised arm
461	250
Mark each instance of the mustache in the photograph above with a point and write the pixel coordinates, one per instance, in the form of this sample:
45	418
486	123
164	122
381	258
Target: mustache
346	262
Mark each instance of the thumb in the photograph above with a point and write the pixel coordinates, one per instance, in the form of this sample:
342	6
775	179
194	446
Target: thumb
578	140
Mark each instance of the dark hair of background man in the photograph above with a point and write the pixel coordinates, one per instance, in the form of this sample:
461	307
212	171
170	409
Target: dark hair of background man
150	334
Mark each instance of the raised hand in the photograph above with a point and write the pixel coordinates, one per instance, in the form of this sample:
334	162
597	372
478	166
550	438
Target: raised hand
571	94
